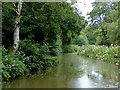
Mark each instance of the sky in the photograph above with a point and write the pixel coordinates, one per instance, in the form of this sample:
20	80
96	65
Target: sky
84	6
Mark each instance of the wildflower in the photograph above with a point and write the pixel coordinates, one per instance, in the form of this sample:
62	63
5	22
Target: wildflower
6	59
13	64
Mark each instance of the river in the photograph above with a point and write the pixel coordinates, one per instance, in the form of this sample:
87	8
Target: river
73	71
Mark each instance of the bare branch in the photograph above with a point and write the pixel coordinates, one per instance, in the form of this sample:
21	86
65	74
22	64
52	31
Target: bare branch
42	6
14	5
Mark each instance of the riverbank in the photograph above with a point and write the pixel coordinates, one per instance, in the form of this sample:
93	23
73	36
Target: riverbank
73	71
29	57
103	53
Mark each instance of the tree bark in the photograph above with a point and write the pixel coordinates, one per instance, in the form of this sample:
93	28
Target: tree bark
17	27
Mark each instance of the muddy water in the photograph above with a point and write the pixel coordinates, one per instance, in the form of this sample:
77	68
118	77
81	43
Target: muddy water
73	71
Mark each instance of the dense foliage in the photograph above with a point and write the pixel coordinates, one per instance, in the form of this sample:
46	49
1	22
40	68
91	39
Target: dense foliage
45	29
81	39
29	57
103	28
69	48
102	31
104	53
42	22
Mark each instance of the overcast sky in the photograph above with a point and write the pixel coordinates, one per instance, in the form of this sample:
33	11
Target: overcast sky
84	6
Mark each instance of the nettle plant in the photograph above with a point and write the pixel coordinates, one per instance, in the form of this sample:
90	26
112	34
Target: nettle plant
11	65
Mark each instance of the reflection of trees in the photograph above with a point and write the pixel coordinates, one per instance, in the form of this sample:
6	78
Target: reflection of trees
69	67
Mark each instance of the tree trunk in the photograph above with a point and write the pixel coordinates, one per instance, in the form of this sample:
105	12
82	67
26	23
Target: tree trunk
17	27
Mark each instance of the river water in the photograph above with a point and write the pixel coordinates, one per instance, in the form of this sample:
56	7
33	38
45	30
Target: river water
73	71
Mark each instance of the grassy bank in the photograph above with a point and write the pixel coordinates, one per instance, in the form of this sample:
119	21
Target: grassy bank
104	53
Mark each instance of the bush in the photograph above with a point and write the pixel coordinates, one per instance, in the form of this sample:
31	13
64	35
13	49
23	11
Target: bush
30	56
48	61
29	48
67	49
47	57
11	65
54	50
104	53
81	40
75	47
86	50
37	57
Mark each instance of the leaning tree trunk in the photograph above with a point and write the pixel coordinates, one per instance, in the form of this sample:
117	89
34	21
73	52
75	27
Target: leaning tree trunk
17	27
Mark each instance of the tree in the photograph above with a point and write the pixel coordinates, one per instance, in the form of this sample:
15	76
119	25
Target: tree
97	15
53	24
17	26
111	25
104	19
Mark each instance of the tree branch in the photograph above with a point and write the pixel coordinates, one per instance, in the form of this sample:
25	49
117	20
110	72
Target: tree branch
10	8
14	5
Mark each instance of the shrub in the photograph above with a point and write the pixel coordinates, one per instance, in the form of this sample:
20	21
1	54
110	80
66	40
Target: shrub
75	47
86	50
30	56
67	49
11	65
81	40
104	53
45	55
29	48
48	61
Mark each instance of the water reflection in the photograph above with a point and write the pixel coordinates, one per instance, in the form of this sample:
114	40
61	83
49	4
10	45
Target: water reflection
73	71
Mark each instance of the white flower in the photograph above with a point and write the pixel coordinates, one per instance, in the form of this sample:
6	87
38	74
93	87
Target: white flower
13	64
